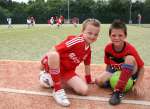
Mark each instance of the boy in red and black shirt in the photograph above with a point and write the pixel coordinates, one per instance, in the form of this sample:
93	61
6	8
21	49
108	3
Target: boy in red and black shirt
120	55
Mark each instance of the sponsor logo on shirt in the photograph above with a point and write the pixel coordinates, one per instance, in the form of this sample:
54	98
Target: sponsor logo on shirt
74	58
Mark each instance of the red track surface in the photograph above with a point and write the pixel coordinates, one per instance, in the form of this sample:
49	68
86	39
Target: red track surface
23	75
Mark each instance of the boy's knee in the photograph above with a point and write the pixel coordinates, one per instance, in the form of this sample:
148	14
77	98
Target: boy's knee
53	55
130	60
82	90
53	59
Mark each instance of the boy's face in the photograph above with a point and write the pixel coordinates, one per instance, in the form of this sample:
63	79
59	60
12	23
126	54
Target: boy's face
91	33
117	37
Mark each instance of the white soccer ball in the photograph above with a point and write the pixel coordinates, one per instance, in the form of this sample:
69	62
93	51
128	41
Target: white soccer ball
46	79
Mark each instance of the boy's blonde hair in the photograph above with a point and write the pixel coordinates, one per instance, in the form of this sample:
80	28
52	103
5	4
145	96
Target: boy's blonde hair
93	22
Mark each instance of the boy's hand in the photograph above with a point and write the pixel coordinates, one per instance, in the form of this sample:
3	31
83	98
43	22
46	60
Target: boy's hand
138	89
88	79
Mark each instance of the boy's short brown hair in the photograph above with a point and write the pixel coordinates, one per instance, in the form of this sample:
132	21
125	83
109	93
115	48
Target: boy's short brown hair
93	22
118	24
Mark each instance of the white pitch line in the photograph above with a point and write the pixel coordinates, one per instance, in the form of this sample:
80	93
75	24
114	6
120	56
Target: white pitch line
38	61
91	98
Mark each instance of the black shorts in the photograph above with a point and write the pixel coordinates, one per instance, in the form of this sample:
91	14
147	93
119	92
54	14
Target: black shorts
113	70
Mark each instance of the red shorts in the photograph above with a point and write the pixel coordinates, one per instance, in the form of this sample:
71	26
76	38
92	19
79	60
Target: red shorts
65	74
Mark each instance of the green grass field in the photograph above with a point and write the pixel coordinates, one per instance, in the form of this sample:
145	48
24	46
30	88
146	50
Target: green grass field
21	43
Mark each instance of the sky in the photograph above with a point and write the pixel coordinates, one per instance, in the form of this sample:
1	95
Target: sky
21	0
28	0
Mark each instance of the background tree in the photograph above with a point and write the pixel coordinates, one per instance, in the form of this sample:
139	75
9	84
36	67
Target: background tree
146	10
104	10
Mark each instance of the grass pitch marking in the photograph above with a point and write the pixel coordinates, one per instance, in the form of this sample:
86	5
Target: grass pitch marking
91	98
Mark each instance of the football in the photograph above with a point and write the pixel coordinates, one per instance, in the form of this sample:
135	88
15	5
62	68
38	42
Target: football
114	79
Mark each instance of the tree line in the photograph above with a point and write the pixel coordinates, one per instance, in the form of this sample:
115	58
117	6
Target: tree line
104	10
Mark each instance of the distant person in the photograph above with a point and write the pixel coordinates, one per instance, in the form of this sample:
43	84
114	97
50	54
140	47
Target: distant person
32	21
9	21
28	22
58	22
75	21
62	19
139	18
59	64
52	20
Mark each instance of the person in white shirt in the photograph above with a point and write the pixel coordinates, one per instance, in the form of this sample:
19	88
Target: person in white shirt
28	22
9	21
